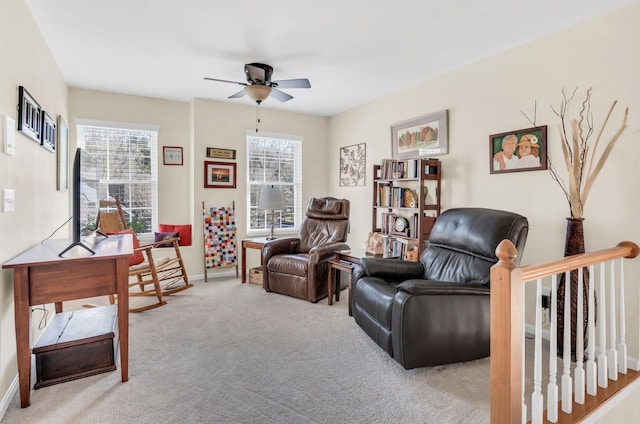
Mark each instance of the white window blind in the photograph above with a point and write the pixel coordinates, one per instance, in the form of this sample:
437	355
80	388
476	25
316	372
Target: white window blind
123	161
274	159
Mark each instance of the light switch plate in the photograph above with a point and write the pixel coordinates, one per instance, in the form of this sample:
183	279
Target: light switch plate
9	135
8	200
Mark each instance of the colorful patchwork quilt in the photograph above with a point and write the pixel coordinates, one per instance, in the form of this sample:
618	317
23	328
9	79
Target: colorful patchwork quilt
221	247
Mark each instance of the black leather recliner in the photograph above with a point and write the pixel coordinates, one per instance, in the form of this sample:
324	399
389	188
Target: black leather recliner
437	311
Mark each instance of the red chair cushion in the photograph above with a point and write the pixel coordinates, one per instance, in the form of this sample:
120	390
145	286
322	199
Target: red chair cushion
183	230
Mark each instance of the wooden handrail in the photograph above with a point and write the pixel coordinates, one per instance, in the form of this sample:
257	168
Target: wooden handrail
507	310
625	249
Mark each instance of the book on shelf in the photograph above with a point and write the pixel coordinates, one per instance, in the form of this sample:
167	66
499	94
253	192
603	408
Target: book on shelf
392	169
397	248
396	197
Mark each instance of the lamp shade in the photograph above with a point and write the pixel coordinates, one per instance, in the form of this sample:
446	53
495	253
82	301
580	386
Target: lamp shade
272	198
258	92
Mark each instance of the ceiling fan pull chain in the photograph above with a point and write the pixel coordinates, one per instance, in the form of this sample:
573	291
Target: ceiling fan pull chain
257	115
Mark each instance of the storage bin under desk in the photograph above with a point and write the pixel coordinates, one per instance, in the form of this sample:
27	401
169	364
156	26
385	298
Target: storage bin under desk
77	344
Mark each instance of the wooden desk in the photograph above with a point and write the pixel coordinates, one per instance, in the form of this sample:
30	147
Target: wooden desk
40	277
255	243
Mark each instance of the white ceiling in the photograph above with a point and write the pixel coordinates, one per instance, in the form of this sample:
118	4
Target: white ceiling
352	51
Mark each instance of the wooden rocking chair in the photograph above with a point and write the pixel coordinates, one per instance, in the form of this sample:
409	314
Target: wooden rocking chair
150	274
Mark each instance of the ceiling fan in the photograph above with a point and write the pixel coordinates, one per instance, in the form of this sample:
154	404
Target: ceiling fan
259	85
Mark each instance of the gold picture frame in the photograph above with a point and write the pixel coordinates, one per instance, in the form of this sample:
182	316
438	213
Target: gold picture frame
218	153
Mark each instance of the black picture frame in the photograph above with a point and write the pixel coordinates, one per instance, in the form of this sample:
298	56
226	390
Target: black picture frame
48	134
29	115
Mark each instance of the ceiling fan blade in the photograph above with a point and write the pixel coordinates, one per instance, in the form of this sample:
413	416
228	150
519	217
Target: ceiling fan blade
280	95
292	83
238	94
221	80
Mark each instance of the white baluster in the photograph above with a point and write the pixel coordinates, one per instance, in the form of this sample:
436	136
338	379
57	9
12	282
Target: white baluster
592	386
536	396
622	345
603	380
567	404
523	417
578	372
612	355
552	387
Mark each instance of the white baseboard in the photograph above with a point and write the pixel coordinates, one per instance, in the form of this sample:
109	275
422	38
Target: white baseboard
221	273
8	397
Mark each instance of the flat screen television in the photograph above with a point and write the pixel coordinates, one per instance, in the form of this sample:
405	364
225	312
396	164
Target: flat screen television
80	190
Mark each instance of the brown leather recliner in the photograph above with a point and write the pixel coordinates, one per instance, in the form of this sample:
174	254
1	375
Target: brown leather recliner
298	266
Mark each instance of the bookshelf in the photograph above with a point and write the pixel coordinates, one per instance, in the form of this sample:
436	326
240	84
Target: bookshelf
401	211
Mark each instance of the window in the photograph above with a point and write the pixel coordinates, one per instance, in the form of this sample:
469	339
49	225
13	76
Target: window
123	162
274	159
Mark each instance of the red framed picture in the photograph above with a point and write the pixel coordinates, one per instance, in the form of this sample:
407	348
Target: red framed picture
219	174
172	155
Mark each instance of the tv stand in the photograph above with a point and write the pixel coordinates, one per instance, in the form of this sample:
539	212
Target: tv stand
74	244
40	276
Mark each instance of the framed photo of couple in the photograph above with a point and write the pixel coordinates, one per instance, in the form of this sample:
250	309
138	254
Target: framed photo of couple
519	150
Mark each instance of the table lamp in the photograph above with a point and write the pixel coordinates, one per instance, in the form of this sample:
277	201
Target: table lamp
272	199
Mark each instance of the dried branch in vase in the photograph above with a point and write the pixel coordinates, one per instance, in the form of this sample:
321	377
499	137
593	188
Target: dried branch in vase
580	152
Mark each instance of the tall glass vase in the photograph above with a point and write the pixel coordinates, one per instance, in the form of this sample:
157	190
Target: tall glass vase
574	244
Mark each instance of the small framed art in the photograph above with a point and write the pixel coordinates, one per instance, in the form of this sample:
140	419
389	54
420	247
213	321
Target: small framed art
62	180
48	134
427	135
519	150
353	163
29	119
219	174
172	155
218	153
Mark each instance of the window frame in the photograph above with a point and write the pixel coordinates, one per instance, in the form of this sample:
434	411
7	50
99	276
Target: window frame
293	196
154	165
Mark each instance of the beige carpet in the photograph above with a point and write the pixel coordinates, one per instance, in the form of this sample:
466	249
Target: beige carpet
225	352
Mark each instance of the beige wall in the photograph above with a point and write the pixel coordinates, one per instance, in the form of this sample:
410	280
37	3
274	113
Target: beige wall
486	98
224	124
39	208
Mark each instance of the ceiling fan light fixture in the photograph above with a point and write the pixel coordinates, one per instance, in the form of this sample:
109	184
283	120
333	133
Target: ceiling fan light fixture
258	92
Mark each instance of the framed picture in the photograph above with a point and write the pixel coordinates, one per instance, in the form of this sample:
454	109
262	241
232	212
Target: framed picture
215	152
353	165
48	133
519	150
29	119
219	174
424	136
62	180
172	155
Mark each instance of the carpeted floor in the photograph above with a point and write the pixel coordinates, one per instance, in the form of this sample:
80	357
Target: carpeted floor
225	352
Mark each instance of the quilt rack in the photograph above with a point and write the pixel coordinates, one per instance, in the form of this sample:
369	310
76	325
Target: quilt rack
220	241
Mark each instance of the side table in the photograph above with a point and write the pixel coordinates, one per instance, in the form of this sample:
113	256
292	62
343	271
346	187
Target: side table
255	243
345	260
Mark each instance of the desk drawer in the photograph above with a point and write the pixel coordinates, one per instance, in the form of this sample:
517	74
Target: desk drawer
75	280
